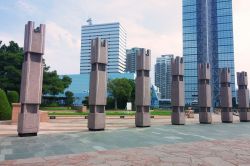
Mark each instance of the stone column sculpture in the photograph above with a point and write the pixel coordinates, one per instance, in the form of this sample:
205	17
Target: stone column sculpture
142	97
98	84
204	93
31	83
226	96
177	92
243	96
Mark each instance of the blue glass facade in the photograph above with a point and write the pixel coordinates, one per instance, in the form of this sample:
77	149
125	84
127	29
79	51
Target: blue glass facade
80	84
207	37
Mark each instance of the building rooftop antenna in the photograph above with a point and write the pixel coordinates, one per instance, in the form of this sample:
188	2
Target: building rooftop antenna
89	21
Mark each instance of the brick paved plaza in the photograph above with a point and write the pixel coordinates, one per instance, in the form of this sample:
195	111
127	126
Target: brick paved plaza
123	144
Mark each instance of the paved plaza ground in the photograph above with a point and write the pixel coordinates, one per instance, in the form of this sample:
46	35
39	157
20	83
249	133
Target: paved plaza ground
123	144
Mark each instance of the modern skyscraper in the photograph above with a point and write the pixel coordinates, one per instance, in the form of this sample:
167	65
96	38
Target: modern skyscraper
163	76
116	36
131	59
207	38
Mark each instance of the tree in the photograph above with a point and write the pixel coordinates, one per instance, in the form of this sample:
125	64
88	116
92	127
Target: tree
120	89
11	59
69	98
5	109
85	101
132	98
52	83
13	97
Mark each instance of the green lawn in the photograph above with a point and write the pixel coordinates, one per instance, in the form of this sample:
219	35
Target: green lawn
68	113
161	113
55	108
109	113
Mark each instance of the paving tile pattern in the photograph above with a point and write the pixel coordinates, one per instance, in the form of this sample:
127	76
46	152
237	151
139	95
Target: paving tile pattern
204	153
13	147
76	124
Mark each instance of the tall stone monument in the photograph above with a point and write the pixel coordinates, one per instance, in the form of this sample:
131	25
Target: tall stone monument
226	96
31	83
204	93
98	84
243	96
177	92
142	97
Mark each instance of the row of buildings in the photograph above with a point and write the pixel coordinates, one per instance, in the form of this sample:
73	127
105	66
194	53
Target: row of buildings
207	38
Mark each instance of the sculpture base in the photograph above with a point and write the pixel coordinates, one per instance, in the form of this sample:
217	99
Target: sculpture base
142	119
205	117
28	123
244	120
227	117
96	121
178	118
27	134
96	129
244	115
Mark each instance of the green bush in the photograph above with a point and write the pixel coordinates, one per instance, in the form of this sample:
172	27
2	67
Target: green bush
13	97
5	109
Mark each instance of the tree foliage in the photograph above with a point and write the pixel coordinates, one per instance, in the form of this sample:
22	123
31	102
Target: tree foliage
5	109
85	101
69	98
11	59
13	97
52	83
121	90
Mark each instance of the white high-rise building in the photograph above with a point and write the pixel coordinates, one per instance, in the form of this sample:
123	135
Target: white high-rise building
116	36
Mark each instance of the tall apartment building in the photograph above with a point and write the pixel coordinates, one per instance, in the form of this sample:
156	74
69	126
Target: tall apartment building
116	36
131	59
163	75
207	37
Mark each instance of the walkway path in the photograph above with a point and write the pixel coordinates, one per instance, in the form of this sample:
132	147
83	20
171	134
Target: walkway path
205	153
193	144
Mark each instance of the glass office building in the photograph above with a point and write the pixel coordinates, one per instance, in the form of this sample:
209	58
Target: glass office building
131	59
163	75
80	85
116	36
207	38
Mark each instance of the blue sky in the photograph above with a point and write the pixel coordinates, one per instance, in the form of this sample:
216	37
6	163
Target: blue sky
154	24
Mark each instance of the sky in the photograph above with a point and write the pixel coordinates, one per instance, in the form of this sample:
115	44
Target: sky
153	24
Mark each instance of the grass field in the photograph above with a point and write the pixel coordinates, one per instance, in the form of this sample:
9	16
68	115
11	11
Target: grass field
55	108
109	113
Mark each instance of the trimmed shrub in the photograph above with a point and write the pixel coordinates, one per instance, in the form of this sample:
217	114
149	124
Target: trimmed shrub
5	109
13	97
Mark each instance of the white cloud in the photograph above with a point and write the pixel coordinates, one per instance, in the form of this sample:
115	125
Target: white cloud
62	49
241	35
25	6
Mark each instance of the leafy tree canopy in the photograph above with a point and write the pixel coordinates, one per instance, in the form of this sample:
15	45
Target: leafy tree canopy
69	98
11	59
121	89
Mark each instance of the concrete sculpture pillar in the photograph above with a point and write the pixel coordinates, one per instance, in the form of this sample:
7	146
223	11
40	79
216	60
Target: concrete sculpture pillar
204	94
98	84
31	83
142	97
243	96
177	92
226	96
